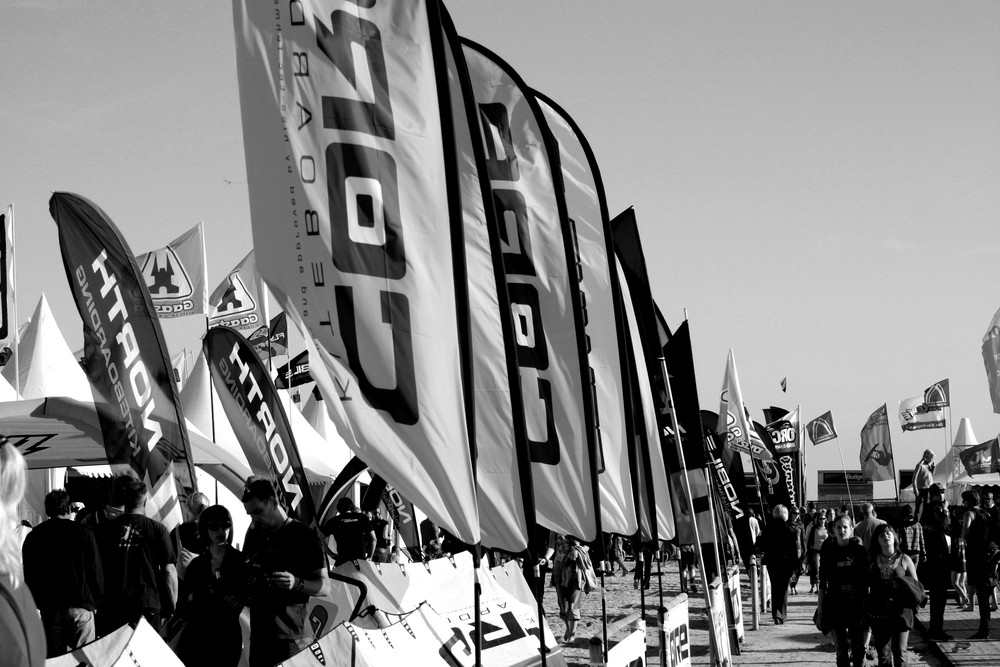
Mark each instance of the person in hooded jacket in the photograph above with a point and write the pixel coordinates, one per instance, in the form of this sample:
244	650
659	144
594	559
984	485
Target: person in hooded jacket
843	573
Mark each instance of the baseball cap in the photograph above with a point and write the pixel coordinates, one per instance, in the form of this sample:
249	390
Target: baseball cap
936	488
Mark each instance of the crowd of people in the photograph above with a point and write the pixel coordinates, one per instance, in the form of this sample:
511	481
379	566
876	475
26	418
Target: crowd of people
75	579
888	570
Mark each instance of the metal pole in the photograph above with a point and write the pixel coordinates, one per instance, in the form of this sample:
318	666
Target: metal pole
755	606
843	466
713	640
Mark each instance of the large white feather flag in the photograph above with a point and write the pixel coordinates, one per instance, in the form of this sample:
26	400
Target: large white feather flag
586	206
349	196
543	284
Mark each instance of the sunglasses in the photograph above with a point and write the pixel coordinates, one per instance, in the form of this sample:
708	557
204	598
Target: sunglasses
217	526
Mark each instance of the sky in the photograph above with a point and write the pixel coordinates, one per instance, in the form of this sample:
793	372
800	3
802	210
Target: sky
817	184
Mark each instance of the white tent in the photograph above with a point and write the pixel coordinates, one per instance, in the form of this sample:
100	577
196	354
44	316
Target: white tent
44	362
62	432
323	456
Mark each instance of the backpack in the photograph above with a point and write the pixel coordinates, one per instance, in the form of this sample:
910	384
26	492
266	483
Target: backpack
582	567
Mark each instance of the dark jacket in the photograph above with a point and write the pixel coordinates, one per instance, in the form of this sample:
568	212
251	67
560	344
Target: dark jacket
781	545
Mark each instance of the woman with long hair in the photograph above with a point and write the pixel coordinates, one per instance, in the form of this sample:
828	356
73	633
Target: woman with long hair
843	582
213	594
22	637
889	617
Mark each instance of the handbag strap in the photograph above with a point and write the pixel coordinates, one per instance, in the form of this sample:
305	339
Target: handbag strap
20	619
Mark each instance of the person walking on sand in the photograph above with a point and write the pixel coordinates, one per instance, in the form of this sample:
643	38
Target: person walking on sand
781	556
577	576
888	614
843	573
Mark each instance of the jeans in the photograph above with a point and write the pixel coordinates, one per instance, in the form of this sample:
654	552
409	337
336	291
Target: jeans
848	637
890	646
67	629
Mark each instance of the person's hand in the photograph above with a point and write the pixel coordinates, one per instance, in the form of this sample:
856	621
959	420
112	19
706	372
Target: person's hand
283	581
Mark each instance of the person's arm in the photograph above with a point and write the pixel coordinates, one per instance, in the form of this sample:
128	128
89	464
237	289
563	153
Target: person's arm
170	579
908	568
370	542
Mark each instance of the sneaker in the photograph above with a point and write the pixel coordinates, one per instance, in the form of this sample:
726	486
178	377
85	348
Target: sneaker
940	637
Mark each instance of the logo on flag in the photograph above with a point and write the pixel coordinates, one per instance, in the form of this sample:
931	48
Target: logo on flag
937	395
237	302
821	429
916	414
165	274
981	459
175	275
876	448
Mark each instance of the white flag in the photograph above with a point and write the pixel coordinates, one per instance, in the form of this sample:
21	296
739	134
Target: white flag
175	275
352	217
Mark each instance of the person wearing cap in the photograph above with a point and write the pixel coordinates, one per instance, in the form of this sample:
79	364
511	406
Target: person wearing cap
923	478
288	566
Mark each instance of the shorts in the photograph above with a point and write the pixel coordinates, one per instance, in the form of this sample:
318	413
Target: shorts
571	603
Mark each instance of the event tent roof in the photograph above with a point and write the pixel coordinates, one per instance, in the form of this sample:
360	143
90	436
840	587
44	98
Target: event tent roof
62	432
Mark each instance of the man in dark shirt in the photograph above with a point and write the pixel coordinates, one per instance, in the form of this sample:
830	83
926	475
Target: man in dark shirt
288	565
937	567
353	532
140	574
62	567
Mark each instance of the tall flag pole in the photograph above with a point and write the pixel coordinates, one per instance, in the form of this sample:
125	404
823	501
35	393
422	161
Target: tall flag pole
8	294
543	283
696	499
822	429
349	193
126	355
876	449
938	395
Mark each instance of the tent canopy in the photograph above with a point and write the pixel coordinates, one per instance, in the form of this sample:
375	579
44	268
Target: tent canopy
60	432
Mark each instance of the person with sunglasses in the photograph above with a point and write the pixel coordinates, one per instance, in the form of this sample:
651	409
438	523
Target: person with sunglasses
213	593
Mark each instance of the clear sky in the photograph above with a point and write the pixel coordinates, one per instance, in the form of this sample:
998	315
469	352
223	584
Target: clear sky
817	183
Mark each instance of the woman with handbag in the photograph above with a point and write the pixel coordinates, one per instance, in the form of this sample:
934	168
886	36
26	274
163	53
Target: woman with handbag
889	607
577	576
212	596
843	582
